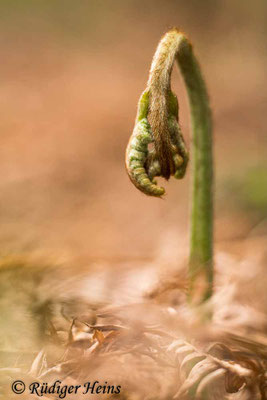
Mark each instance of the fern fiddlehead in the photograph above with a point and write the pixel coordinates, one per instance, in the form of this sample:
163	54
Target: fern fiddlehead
157	124
143	164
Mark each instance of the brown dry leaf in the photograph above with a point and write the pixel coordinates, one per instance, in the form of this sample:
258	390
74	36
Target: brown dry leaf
98	335
39	364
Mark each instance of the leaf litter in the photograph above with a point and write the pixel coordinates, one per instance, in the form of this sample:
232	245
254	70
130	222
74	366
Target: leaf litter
154	347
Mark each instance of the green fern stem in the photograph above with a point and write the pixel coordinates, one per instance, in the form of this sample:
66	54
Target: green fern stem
201	231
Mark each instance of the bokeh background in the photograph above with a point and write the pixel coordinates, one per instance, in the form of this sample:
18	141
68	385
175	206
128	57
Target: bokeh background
77	239
71	73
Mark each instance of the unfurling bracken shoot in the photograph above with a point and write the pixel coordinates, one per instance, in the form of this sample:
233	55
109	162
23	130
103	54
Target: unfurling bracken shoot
157	148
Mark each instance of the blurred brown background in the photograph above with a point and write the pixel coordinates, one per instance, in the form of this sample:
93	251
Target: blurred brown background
71	73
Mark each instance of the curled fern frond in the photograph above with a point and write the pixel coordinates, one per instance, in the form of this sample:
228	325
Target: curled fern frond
157	148
157	125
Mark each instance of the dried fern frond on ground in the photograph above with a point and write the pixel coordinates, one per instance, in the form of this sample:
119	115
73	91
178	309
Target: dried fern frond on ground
154	350
132	355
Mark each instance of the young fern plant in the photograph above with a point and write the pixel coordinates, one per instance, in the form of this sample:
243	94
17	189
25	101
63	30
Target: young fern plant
157	148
